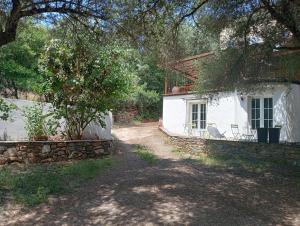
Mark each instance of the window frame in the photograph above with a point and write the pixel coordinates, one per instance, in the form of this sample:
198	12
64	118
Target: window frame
256	120
202	115
270	111
261	111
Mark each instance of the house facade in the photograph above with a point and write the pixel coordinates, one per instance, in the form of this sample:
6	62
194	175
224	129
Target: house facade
275	105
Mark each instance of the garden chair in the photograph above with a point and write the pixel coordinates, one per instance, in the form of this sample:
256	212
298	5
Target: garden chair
188	129
250	136
235	131
214	132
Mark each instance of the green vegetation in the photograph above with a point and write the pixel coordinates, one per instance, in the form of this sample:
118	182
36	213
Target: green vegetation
145	154
5	109
84	81
37	183
37	123
157	33
242	162
19	61
249	164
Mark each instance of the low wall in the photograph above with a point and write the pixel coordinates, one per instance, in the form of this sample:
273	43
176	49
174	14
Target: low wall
271	152
53	151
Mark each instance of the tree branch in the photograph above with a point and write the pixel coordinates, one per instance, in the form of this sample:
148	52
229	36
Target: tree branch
34	8
192	12
284	18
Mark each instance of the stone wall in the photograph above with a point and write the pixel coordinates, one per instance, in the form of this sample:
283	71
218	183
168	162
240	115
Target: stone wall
271	152
53	151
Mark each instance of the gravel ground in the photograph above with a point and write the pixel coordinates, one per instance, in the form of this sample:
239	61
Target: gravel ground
172	192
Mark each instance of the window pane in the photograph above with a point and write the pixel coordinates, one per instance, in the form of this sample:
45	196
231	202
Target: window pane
266	115
257	124
266	124
266	103
252	124
257	114
257	103
202	116
270	114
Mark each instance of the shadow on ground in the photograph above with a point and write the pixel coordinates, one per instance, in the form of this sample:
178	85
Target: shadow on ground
171	192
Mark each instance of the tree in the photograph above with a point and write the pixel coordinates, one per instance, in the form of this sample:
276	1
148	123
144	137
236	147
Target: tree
249	16
251	43
84	80
19	60
12	11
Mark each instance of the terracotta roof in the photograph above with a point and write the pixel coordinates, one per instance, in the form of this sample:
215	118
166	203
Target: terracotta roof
189	69
187	65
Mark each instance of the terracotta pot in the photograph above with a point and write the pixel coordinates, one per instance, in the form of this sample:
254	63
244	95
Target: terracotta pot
40	138
176	89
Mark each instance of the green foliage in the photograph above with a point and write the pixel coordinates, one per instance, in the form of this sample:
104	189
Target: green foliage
84	80
5	109
245	70
37	123
147	102
146	95
145	154
19	60
86	170
36	184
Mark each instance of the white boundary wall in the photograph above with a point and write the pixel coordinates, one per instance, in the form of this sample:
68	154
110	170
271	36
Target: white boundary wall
228	108
14	129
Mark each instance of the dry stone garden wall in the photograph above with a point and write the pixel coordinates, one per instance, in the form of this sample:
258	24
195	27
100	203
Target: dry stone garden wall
53	151
289	153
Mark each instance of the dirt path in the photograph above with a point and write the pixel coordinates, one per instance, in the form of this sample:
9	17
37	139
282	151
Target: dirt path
174	192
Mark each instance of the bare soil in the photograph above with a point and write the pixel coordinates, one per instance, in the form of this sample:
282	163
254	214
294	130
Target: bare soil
175	191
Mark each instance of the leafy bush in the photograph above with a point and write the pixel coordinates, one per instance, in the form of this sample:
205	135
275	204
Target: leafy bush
37	123
5	109
148	103
85	80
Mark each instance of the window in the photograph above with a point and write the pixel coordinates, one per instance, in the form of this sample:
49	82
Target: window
255	113
268	112
261	112
198	115
194	116
202	116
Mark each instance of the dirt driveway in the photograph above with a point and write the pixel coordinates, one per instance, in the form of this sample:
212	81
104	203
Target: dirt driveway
173	192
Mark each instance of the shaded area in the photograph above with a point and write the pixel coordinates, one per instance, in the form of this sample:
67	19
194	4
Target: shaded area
174	191
32	185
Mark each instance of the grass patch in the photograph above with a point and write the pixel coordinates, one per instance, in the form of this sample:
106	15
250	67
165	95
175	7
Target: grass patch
145	154
35	185
248	163
242	161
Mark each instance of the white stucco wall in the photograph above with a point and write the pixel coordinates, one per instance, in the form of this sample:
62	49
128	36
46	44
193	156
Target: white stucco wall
292	116
174	113
15	129
229	108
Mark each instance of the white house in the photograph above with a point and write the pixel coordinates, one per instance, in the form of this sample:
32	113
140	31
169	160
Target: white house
187	114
